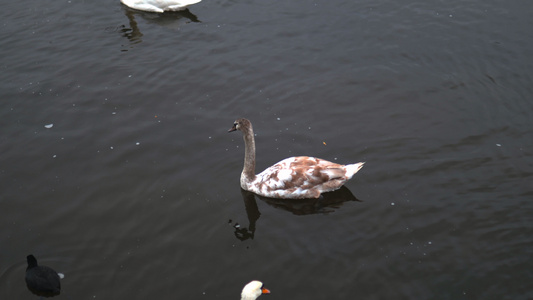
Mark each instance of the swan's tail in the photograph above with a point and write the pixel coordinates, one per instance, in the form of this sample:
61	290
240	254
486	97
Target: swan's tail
353	168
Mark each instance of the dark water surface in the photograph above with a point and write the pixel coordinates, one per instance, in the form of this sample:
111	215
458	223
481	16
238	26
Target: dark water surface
133	193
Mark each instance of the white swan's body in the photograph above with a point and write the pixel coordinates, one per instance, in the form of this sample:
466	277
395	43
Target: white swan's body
159	6
292	178
253	290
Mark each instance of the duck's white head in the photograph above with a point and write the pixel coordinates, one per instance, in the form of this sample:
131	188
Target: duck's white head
253	290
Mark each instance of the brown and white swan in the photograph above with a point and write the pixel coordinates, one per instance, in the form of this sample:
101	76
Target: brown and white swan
292	178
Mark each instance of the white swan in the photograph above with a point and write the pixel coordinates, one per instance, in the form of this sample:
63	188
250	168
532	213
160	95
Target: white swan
159	6
253	290
292	178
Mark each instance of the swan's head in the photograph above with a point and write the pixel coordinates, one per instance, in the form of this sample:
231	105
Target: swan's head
241	124
253	290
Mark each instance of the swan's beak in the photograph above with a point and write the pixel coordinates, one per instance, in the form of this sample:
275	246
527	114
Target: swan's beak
233	128
265	291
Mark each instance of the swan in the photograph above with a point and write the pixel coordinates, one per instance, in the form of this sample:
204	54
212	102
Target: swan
253	290
292	178
159	6
42	280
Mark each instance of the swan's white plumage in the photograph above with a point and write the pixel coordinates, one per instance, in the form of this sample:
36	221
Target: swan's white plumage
159	6
292	178
253	290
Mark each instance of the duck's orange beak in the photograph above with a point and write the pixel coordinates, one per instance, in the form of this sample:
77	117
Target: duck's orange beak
265	291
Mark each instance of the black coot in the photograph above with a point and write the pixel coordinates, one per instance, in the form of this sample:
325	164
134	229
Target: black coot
41	280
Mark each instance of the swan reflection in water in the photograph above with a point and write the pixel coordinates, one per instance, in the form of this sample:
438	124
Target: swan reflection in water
171	19
327	203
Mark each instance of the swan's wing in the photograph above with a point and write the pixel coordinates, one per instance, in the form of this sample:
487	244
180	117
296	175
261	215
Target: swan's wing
301	172
159	6
142	5
181	5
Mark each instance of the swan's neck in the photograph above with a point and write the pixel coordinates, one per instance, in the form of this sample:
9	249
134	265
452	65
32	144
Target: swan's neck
249	155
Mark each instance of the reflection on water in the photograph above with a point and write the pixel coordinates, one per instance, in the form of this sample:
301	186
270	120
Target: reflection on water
171	20
327	203
252	211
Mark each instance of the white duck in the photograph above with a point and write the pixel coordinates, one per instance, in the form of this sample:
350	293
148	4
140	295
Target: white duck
253	290
292	178
159	6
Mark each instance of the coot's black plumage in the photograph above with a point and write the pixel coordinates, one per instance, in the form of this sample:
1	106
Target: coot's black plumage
41	280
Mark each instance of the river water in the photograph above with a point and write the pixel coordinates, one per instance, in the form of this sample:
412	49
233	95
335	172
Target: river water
117	170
